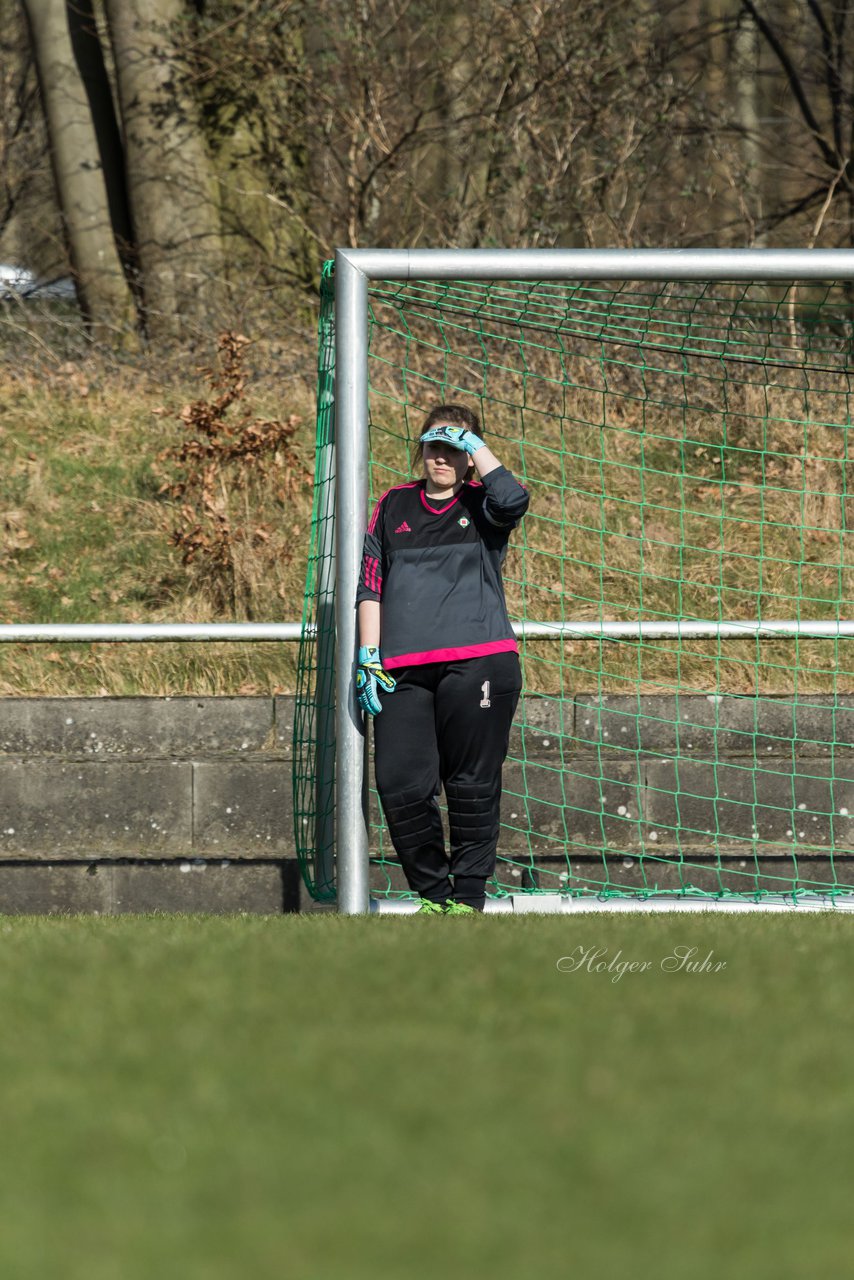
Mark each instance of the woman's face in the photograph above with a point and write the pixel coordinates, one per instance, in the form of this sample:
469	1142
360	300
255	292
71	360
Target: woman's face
444	467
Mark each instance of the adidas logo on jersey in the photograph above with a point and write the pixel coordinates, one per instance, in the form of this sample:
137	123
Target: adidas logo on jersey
403	528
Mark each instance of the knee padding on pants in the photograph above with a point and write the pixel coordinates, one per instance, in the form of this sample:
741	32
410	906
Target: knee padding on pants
473	811
413	821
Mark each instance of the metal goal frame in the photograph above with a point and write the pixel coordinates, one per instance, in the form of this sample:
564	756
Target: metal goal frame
354	270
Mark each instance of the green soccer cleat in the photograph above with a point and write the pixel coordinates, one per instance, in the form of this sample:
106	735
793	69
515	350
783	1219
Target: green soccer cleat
430	908
459	909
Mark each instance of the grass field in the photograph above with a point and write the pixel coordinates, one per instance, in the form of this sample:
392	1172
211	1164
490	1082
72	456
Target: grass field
326	1097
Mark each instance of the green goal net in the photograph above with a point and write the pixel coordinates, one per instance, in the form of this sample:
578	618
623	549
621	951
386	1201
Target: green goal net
682	584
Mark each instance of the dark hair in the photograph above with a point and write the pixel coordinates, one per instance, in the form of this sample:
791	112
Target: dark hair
458	415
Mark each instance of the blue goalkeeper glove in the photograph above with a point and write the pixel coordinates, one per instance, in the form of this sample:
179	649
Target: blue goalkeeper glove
370	677
456	437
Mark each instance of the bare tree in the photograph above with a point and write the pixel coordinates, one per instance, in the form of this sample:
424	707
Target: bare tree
77	163
17	102
253	116
171	188
548	123
806	143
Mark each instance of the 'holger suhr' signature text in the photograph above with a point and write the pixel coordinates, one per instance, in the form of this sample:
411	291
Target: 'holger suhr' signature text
598	960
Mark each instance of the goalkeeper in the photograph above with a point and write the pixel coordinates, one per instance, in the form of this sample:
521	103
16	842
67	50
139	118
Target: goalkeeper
438	657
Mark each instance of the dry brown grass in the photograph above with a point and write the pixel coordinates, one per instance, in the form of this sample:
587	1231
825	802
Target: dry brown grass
87	532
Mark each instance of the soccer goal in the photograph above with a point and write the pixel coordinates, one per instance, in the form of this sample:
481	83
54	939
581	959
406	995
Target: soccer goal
681	587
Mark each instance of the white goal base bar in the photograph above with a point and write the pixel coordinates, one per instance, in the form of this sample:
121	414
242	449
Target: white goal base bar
564	904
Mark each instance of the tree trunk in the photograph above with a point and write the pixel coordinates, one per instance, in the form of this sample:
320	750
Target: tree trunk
747	92
101	286
172	193
89	56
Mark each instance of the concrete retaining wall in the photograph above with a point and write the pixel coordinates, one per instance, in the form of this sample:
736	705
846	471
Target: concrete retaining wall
138	804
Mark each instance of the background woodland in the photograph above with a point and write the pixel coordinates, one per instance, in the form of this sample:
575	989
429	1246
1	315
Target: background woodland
190	163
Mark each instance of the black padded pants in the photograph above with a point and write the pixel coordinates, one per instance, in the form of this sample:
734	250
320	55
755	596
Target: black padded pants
446	725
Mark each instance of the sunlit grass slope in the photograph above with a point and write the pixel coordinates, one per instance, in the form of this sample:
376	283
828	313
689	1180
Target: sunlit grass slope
86	537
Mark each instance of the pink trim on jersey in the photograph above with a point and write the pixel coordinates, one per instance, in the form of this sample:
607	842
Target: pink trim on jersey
372	577
413	484
438	511
452	655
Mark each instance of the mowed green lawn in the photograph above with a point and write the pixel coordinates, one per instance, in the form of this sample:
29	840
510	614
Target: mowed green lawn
409	1097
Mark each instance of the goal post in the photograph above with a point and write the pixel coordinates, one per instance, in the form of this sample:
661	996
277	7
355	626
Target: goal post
355	272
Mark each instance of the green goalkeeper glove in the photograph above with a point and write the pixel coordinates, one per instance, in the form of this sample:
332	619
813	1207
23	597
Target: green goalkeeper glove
369	677
456	437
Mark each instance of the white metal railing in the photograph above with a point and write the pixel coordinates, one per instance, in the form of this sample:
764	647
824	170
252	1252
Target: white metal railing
94	632
696	628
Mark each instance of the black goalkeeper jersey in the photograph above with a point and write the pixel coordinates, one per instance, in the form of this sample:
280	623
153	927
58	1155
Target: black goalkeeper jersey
436	568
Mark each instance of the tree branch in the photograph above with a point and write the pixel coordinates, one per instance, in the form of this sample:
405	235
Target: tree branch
830	155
